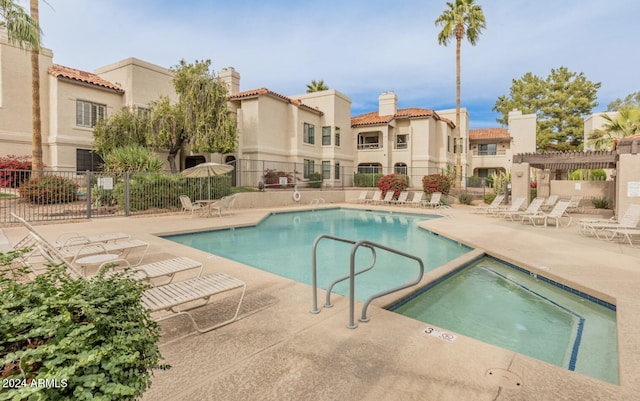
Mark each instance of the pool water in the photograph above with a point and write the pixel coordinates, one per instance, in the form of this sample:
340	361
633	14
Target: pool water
495	303
282	244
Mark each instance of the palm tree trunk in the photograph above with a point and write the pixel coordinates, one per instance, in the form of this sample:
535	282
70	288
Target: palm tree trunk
458	138
36	136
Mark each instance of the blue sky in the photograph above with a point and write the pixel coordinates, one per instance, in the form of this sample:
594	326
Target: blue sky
359	47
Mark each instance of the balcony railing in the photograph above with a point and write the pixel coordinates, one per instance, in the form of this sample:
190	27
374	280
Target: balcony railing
401	145
364	146
499	152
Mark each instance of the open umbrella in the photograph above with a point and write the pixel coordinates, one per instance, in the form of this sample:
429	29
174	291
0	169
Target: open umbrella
206	170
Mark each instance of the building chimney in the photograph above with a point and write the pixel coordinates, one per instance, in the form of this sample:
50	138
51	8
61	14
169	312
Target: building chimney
231	78
388	104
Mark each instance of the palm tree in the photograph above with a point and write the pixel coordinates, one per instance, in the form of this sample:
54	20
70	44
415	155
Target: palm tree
461	18
36	124
317	86
22	30
626	123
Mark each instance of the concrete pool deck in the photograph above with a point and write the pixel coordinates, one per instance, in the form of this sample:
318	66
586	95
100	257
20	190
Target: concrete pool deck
280	351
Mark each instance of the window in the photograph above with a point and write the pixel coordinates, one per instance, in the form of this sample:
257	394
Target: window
486	172
88	114
488	149
400	168
88	160
369	168
448	143
368	141
326	135
337	171
337	139
309	167
401	141
326	170
309	133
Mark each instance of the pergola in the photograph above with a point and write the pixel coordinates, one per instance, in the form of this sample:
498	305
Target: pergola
569	160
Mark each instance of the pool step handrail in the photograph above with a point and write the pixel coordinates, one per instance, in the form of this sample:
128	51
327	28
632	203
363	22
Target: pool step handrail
352	274
328	303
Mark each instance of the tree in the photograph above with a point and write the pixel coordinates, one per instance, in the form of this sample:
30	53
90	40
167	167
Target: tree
560	102
36	123
22	30
631	100
625	123
462	18
129	126
201	118
316	86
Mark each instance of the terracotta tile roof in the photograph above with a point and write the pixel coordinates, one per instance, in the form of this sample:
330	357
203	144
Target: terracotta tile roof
488	133
60	71
264	91
414	112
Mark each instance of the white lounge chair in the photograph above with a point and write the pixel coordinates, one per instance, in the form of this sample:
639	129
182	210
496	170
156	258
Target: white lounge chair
188	206
225	203
515	206
171	296
495	204
558	211
416	200
627	234
377	197
629	221
549	203
532	209
574	204
434	201
402	198
388	198
362	198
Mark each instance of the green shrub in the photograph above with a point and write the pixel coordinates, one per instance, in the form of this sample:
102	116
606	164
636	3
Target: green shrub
436	183
367	180
489	197
90	338
533	193
475	182
465	198
392	182
588	175
600	203
315	180
49	189
133	159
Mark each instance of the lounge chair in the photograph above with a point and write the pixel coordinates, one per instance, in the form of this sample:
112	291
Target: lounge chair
434	201
495	204
362	198
515	206
625	233
388	198
402	198
188	206
225	203
549	203
558	211
532	209
171	296
574	204
119	248
67	239
629	221
416	200
377	197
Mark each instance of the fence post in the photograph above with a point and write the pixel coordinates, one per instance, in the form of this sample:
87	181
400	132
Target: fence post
127	194
88	189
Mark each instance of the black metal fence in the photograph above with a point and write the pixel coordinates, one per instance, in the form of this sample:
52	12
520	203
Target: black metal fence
64	195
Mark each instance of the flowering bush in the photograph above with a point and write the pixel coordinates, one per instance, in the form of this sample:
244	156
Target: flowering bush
436	183
272	177
14	170
49	189
533	184
392	182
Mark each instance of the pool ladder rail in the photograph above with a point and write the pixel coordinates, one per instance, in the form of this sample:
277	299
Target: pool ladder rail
352	273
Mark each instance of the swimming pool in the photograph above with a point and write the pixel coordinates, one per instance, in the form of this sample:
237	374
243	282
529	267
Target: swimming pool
511	308
282	244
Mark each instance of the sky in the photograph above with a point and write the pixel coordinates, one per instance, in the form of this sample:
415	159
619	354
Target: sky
359	47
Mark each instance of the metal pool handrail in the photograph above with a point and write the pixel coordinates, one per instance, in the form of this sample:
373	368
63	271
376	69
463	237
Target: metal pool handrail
353	273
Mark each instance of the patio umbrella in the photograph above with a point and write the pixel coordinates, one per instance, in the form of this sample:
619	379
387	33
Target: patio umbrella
206	170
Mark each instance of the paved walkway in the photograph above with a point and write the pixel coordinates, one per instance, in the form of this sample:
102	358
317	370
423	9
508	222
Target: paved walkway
280	351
